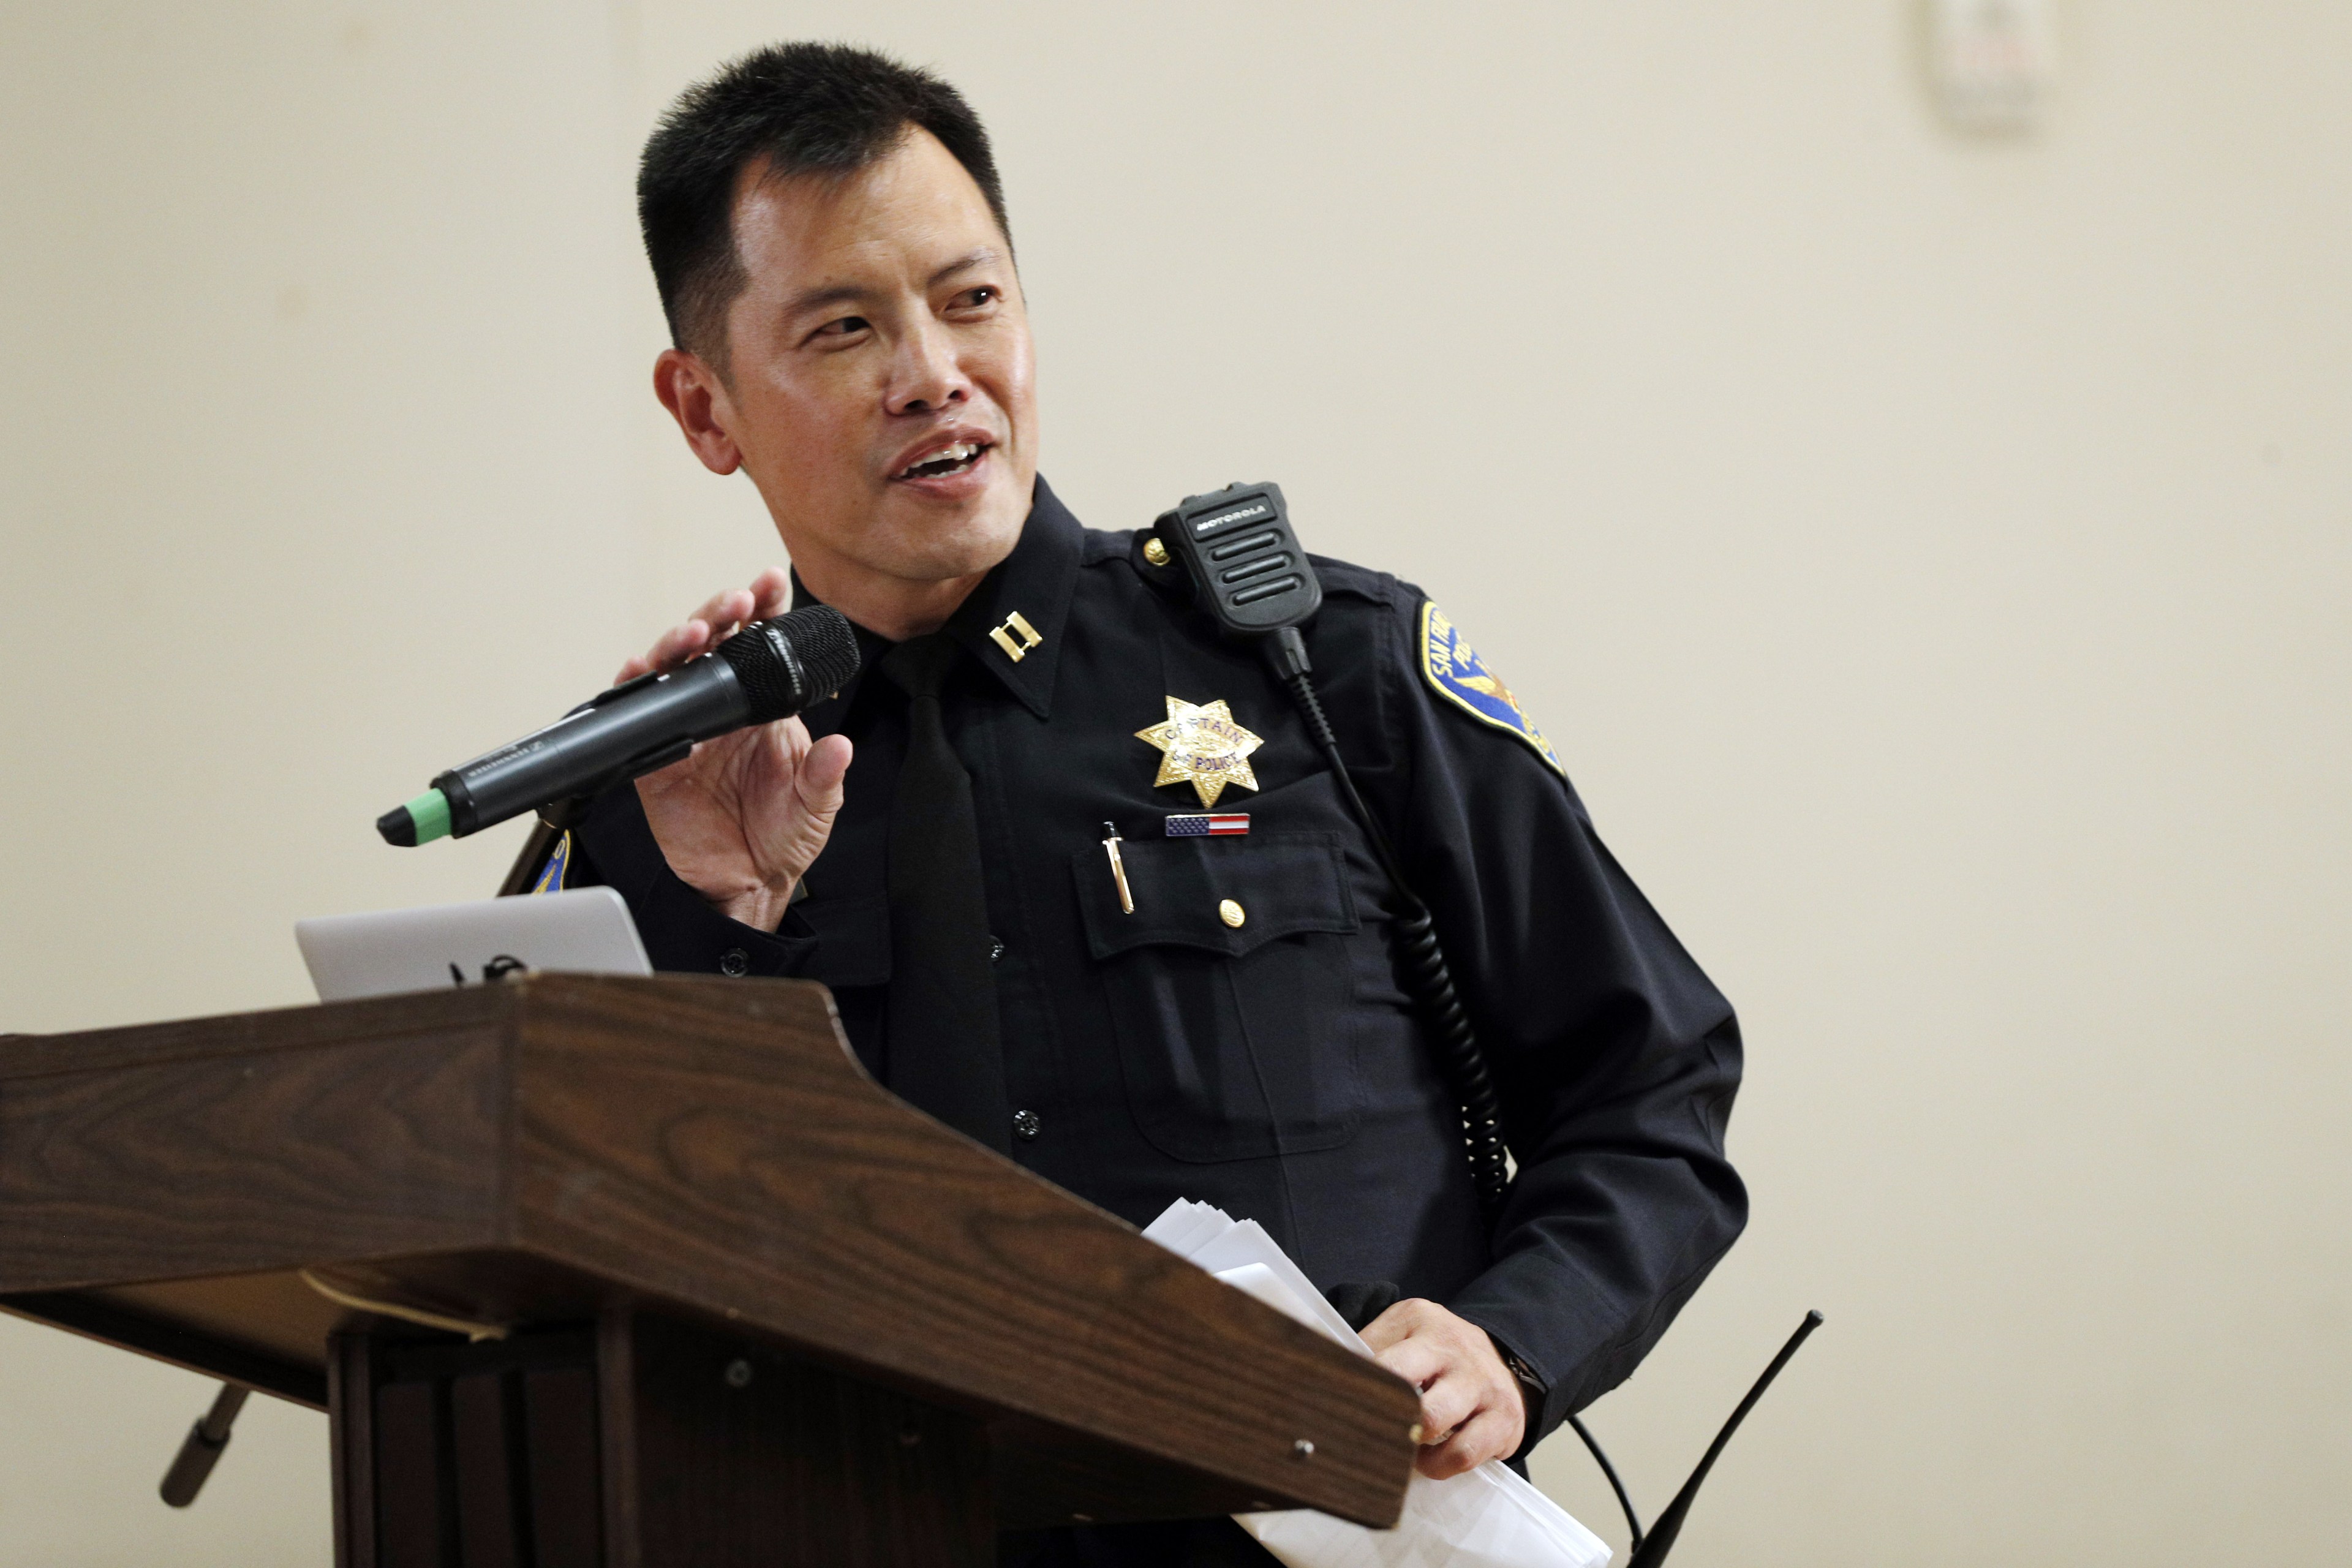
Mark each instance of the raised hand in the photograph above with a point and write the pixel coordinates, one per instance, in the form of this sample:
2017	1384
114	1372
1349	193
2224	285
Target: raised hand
740	818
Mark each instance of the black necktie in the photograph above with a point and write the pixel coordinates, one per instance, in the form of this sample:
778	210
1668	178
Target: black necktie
940	1024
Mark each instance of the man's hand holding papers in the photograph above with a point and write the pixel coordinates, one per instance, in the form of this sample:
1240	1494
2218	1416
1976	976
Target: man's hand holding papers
1470	1407
1482	1517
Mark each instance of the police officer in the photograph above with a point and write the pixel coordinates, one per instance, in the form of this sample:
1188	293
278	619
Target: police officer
1071	863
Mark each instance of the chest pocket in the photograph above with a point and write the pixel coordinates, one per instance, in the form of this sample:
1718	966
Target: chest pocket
1229	991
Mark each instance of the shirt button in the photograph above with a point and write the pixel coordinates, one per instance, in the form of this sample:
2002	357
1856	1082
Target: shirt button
995	950
735	961
1231	912
1025	1125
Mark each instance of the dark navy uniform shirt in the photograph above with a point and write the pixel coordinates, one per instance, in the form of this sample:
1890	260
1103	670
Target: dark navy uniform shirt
1274	1067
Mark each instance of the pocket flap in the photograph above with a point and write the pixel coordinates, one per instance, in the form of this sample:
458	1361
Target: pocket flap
1279	884
853	945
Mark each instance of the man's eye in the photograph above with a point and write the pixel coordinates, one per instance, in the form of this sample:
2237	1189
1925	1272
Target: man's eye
973	299
846	327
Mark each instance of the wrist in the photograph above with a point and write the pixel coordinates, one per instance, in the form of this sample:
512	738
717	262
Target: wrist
760	908
1528	1381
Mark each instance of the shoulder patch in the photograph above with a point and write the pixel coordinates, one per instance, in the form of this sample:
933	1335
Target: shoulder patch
1457	674
551	876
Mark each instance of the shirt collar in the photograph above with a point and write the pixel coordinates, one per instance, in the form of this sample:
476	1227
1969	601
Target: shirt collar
1033	584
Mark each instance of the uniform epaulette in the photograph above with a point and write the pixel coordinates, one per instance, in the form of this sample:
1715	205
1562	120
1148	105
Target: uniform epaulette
1360	582
1097	546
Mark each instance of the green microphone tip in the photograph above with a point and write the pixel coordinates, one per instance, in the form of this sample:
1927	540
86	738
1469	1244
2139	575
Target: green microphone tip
421	821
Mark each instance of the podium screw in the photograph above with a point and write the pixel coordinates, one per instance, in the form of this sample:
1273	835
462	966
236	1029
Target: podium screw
1302	1449
739	1373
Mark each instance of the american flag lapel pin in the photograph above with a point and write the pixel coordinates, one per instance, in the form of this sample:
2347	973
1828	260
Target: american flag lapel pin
1207	824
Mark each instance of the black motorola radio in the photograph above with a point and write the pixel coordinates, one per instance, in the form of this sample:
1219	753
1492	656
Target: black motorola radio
1237	546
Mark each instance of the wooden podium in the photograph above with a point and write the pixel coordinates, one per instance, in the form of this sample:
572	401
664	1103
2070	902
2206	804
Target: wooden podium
738	1304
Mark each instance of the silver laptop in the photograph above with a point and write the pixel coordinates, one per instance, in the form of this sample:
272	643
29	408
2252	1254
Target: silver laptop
586	930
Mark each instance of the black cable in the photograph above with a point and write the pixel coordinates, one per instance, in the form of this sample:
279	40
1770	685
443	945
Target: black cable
1669	1524
1430	982
1633	1520
1427	979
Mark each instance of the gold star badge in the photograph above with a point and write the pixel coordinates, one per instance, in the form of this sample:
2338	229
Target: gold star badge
1203	746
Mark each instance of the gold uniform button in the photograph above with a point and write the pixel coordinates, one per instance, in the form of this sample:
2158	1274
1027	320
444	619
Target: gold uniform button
1231	912
1155	553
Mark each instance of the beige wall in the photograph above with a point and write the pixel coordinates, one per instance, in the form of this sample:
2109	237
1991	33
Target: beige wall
1930	555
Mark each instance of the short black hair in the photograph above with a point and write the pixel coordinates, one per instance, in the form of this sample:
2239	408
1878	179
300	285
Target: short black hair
800	109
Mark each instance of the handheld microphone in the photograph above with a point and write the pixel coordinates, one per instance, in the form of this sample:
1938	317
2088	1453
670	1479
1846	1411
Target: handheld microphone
768	670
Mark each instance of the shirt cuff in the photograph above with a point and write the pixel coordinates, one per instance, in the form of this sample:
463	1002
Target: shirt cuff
1535	1390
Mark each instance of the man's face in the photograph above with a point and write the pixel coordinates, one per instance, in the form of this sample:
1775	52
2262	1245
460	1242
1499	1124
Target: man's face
879	384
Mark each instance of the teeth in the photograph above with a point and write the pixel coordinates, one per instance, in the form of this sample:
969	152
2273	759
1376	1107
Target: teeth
942	461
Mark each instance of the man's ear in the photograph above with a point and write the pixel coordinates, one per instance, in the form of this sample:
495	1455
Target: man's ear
697	400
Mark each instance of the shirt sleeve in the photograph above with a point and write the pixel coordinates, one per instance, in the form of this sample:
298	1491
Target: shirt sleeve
1615	1059
683	934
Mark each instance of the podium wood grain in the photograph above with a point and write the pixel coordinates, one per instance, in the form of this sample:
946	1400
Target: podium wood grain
574	1150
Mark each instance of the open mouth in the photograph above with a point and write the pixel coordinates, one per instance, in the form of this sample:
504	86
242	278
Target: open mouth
948	461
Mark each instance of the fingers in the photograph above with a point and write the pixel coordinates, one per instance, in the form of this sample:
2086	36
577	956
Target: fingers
821	772
768	596
1471	1410
789	797
1420	1361
1448	1404
1489	1435
670	649
723	612
721	615
1401	1321
771	591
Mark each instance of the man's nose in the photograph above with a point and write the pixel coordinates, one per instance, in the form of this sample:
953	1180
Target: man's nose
926	377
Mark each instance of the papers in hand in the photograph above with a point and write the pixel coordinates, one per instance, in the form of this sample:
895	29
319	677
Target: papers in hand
1485	1518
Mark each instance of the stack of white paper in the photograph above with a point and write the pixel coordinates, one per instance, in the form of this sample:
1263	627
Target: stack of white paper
1485	1518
